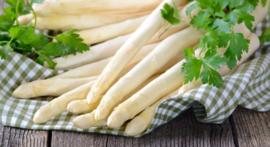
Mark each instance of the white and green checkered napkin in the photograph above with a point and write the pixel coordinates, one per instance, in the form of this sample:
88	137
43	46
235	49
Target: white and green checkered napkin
248	86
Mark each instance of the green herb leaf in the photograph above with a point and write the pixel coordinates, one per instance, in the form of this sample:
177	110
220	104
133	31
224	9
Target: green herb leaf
54	49
5	51
42	58
191	69
211	76
265	36
238	44
264	2
72	42
209	40
202	20
169	13
221	26
191	8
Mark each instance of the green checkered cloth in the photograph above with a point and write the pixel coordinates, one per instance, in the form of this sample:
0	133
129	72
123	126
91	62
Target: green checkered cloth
247	86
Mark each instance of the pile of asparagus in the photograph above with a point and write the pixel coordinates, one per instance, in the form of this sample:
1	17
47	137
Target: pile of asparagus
124	77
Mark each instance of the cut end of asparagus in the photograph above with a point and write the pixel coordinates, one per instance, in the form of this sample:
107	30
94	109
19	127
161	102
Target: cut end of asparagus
135	127
78	107
117	118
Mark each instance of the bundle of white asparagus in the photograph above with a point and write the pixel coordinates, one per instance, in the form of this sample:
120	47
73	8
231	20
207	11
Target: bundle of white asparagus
129	74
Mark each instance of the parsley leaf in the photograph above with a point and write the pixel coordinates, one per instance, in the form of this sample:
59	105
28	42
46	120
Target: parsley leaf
209	40
169	14
5	51
264	2
222	26
265	36
40	60
191	69
237	45
218	18
202	20
72	42
22	39
191	8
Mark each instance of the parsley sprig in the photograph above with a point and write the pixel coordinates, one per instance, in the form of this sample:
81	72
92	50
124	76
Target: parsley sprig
22	39
217	18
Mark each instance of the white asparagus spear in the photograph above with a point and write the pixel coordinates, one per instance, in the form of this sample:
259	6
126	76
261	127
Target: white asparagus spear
58	105
107	49
148	66
85	20
69	7
65	82
165	83
25	19
81	106
87	121
141	122
96	53
82	22
96	68
99	34
103	33
49	87
224	70
138	39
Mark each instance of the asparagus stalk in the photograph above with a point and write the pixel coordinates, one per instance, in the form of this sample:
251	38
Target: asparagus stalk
141	36
25	19
165	83
96	53
58	105
81	106
156	89
141	122
82	21
147	67
254	44
70	7
63	83
106	49
50	87
87	121
103	33
94	69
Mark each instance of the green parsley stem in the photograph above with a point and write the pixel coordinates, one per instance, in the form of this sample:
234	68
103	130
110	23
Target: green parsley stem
17	8
1	42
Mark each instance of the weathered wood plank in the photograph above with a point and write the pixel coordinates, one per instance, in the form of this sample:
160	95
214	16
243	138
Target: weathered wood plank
15	137
183	131
253	128
73	139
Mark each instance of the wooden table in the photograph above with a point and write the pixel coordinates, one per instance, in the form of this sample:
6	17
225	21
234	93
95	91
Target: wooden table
244	128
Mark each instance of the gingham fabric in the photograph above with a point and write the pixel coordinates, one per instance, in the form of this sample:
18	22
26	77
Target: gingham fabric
247	86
